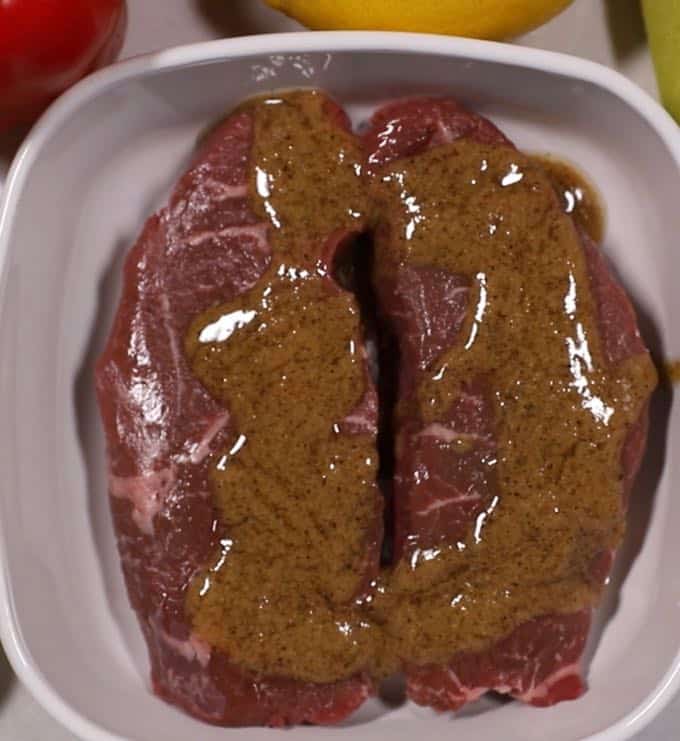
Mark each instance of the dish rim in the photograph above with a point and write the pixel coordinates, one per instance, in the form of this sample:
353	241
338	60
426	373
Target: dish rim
556	63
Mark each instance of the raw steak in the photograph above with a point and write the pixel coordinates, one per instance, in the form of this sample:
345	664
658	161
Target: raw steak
439	497
163	430
215	251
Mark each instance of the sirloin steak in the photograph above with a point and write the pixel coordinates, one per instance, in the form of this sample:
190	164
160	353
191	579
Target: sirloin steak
223	508
241	419
521	422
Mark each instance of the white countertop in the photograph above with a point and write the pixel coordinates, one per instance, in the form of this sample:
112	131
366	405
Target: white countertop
606	31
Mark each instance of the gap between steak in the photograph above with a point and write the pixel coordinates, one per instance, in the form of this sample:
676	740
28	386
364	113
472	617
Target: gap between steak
353	269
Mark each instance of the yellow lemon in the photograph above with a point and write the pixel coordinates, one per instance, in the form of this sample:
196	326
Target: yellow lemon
483	19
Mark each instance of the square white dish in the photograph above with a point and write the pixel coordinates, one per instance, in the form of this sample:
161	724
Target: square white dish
97	165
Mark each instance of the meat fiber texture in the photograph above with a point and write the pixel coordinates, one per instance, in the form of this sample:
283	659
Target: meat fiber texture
540	661
205	248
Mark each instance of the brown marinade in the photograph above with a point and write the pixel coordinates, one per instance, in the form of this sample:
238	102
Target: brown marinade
578	195
562	410
295	496
671	371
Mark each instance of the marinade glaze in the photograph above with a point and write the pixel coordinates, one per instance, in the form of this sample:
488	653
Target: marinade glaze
521	414
296	487
579	197
243	419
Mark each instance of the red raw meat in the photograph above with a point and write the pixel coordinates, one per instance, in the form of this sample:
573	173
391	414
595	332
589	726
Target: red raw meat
205	248
437	497
208	247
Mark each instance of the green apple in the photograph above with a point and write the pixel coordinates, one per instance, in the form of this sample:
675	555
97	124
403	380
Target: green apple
662	18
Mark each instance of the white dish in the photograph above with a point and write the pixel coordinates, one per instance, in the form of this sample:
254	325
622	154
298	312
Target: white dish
97	164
